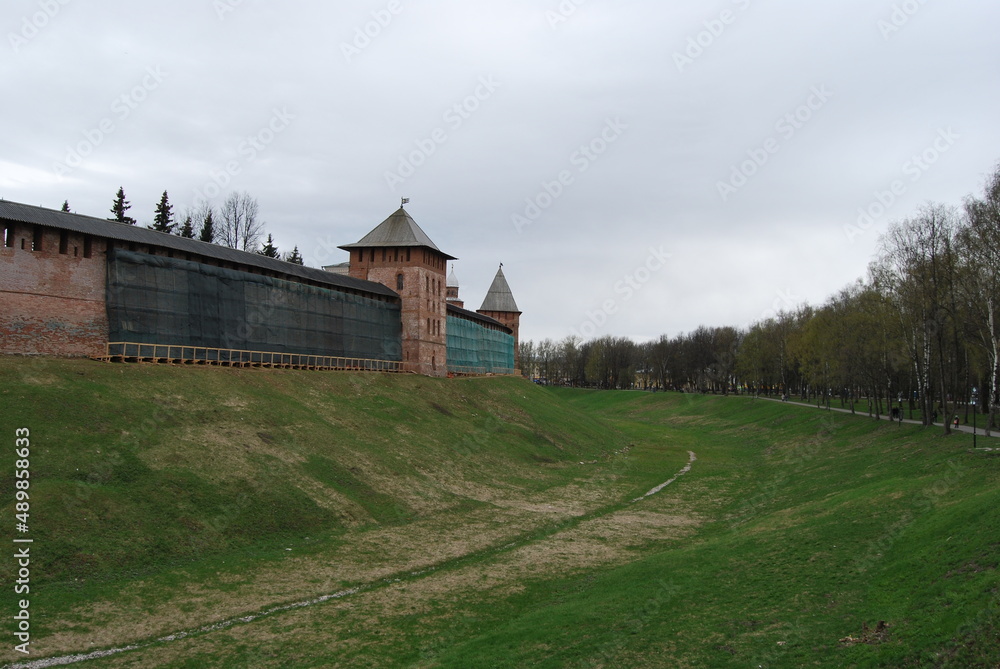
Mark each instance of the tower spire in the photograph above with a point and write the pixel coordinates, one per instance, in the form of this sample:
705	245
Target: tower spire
499	297
500	305
451	290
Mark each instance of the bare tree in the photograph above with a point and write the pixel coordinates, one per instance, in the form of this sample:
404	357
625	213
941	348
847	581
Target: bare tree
526	353
571	362
659	360
545	357
915	271
238	226
980	244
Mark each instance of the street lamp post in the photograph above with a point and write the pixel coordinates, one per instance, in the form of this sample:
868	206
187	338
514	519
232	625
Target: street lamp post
975	410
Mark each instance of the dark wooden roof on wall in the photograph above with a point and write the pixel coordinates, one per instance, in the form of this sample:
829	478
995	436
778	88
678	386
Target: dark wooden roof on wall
133	234
473	316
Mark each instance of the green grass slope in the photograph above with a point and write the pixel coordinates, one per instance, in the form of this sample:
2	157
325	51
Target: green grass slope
138	469
488	523
827	526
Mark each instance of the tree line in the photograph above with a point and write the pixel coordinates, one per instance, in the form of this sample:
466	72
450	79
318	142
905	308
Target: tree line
236	224
919	334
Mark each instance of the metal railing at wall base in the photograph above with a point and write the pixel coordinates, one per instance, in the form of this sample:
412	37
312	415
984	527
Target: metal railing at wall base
225	357
481	371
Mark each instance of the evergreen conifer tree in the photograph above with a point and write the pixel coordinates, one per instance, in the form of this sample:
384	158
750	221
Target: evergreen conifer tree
187	230
295	257
65	206
207	229
163	220
269	250
120	206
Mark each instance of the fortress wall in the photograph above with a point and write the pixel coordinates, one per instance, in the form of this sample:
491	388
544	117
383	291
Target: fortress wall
55	299
513	321
52	292
476	348
156	299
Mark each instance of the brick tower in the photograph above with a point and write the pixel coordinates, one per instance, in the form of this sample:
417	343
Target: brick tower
499	304
400	256
451	290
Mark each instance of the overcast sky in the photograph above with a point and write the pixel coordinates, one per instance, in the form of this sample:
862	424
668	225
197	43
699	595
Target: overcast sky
640	168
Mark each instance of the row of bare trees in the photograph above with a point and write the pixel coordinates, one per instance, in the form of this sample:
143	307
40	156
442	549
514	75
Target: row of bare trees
920	334
236	223
702	361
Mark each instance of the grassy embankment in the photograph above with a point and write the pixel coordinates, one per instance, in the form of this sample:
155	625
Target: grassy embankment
489	523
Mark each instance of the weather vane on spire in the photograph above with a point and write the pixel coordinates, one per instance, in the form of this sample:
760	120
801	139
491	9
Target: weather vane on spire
404	202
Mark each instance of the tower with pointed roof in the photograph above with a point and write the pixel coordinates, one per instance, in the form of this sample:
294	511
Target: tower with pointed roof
400	256
451	290
500	305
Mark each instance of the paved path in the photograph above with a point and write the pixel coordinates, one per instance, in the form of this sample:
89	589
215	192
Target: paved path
691	458
961	428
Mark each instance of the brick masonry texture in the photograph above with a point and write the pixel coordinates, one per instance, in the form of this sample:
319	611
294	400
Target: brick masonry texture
52	298
423	302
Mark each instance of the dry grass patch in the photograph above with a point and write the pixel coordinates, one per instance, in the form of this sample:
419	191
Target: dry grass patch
376	554
348	512
364	557
233	452
595	543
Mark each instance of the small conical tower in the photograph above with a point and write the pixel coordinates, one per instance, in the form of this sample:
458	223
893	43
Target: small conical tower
400	256
451	290
500	305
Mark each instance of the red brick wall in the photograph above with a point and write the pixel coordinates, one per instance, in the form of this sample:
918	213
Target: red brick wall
52	302
422	297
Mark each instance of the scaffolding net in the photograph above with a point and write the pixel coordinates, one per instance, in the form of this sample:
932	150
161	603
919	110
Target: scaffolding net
474	349
160	300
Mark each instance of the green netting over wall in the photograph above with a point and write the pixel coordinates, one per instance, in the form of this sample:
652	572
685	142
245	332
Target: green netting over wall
474	348
159	300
